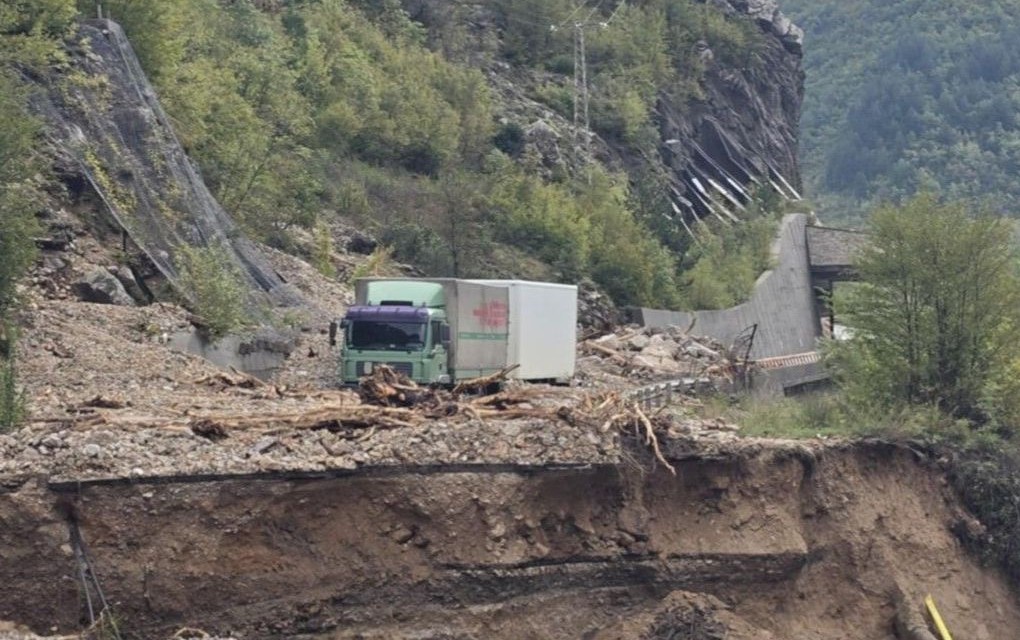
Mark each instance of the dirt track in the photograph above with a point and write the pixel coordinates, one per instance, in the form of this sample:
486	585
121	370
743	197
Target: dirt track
782	542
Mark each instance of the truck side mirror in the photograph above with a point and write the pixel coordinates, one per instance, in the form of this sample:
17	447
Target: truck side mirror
444	335
335	328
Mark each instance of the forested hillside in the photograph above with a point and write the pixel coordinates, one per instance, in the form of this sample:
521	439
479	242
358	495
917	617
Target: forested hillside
445	129
909	94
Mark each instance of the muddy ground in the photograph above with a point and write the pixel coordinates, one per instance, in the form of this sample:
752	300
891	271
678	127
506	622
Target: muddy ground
792	541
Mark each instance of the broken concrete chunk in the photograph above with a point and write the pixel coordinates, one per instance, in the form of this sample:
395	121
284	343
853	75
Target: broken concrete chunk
638	342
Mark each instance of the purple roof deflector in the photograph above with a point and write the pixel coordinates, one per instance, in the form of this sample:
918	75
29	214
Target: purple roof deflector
388	313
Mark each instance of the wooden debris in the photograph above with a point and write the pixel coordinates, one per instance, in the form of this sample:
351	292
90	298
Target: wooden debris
651	439
613	354
233	378
102	402
480	384
389	388
208	429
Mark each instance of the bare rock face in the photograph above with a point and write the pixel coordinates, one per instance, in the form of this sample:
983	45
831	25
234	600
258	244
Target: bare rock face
99	285
745	129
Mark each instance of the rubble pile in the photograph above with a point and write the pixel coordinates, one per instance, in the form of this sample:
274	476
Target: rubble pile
110	395
648	354
242	425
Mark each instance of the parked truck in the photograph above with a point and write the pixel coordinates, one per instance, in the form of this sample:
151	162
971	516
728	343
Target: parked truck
444	330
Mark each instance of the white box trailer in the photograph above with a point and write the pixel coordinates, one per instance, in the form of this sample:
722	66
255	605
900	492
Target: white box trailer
542	328
446	329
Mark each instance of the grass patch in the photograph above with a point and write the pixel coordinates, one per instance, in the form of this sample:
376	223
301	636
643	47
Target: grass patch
827	414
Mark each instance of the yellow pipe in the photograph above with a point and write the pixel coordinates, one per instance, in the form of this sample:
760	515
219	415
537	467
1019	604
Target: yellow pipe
936	618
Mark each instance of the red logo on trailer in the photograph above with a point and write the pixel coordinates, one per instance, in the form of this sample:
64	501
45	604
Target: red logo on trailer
492	314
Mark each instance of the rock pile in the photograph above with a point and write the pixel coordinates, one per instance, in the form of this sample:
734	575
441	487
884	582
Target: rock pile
653	354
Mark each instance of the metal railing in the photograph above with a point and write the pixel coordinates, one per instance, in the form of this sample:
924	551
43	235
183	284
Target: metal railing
662	394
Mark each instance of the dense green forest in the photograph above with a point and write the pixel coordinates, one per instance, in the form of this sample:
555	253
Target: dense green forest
909	94
303	112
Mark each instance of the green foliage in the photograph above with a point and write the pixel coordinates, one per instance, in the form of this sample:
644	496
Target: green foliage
510	139
322	250
528	33
544	218
726	260
12	400
934	317
803	417
902	96
17	192
987	478
153	27
30	30
625	258
830	413
349	107
733	39
636	51
214	288
380	263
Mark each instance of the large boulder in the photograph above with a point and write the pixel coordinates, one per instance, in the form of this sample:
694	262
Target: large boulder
99	285
595	310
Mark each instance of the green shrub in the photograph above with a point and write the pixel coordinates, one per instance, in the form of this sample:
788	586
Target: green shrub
543	219
12	400
510	139
322	250
214	287
380	263
988	481
419	245
726	261
933	317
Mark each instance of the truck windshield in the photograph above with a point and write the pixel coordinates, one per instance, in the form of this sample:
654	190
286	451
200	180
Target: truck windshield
387	336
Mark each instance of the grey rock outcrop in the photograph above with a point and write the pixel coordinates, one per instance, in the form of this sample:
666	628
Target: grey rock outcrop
744	130
99	285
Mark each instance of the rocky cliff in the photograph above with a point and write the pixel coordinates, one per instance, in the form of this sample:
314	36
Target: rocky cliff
736	130
745	129
113	144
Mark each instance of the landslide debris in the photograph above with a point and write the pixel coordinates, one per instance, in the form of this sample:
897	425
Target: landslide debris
632	354
110	396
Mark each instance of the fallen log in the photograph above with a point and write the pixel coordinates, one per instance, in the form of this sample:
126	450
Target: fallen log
475	384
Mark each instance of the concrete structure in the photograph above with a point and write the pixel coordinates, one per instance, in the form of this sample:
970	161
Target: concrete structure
785	310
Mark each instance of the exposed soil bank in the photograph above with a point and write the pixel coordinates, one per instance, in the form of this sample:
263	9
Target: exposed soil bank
780	543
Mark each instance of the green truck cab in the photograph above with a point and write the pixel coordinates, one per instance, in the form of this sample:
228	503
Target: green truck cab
444	330
404	327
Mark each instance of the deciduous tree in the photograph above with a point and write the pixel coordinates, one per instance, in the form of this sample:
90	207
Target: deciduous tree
934	317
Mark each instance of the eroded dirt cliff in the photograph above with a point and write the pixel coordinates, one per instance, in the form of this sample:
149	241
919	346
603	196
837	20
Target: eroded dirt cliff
780	540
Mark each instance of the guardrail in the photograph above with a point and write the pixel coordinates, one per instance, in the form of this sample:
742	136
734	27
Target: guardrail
778	362
661	394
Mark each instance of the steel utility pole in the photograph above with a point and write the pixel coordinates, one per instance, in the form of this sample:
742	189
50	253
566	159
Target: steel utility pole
582	119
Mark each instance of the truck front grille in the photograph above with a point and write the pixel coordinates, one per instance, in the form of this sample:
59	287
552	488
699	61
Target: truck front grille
400	367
